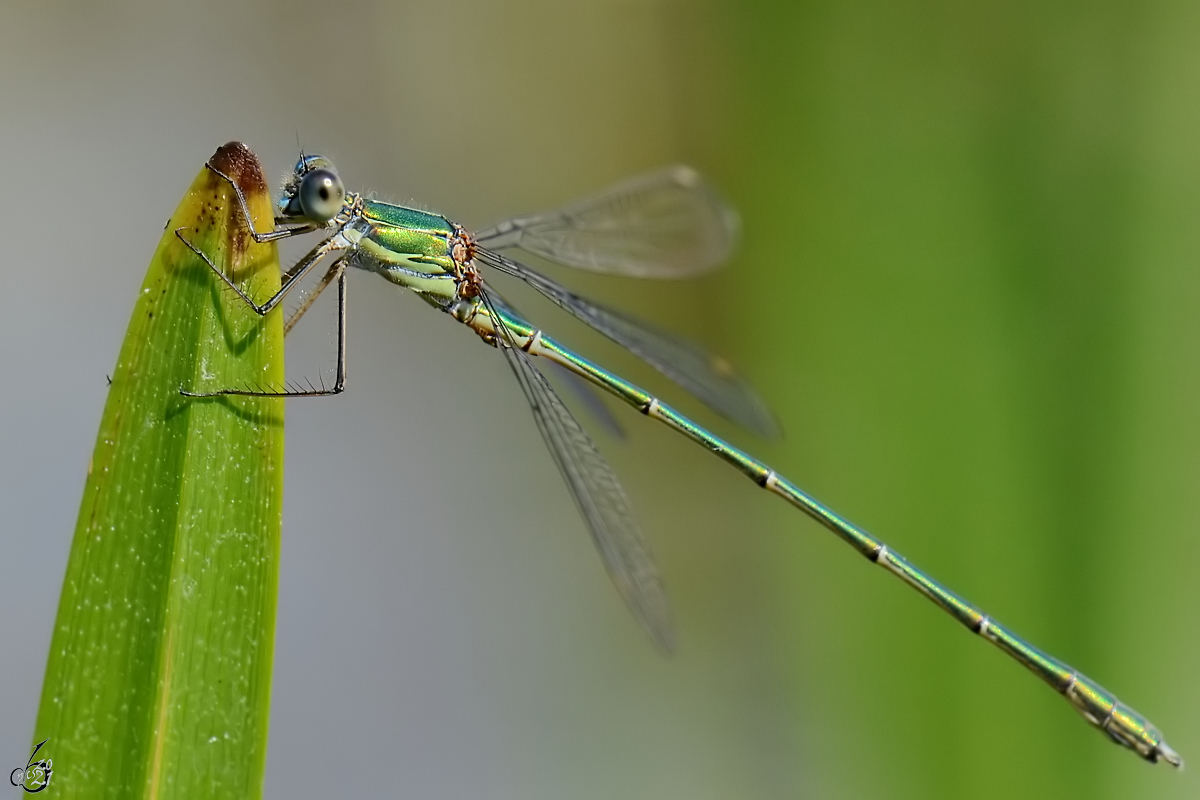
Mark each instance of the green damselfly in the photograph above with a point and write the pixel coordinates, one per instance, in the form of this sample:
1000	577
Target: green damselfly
668	224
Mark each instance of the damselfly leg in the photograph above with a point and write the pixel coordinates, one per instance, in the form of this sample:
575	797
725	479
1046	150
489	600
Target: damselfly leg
337	270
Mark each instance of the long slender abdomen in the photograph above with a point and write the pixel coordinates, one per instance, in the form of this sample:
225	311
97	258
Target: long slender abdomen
1096	704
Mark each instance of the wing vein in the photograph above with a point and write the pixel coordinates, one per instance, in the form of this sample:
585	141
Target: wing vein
707	377
668	224
595	488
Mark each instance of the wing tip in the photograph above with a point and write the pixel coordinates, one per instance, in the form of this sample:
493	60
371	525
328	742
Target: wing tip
685	176
662	633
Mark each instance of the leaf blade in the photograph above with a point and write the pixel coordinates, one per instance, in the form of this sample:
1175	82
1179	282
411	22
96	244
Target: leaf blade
166	621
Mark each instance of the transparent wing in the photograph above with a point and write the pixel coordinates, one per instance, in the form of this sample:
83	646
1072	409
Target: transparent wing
709	378
589	397
596	490
585	391
668	224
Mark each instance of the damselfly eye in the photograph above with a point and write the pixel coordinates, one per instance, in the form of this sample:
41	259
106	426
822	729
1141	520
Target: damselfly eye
321	194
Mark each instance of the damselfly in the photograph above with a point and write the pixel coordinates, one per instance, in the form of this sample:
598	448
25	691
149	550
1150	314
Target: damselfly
668	224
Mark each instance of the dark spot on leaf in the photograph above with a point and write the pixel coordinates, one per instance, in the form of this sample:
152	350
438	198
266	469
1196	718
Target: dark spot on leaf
239	162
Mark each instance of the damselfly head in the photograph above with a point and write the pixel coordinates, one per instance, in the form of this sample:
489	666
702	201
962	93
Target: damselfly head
313	192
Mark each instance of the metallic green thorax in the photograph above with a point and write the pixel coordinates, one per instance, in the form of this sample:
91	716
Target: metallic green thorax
406	246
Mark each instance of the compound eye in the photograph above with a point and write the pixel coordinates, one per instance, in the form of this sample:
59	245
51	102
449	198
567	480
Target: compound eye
321	195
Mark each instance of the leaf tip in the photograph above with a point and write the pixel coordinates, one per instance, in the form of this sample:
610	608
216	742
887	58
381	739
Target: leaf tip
239	162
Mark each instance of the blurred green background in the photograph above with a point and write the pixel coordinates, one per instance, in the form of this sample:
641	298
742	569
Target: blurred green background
967	286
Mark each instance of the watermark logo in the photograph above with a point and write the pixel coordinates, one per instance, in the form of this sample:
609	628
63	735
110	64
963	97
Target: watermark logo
35	775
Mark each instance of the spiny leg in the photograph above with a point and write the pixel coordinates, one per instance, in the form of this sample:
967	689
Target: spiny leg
294	274
335	269
291	276
338	270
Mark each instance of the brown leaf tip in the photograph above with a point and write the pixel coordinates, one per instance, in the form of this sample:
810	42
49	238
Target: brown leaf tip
239	162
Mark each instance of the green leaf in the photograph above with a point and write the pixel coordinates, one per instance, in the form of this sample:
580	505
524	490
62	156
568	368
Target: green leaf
158	680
